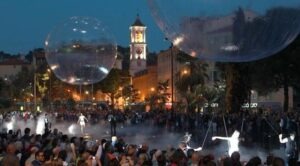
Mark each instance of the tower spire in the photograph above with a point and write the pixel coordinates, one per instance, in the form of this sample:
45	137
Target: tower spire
138	21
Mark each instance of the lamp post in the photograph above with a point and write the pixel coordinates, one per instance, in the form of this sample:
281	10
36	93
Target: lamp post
172	72
172	77
34	90
50	89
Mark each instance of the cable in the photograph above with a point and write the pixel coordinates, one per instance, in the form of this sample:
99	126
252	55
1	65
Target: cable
226	132
271	126
242	127
207	131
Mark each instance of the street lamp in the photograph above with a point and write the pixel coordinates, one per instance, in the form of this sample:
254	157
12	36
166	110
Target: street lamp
87	95
50	88
172	71
175	42
172	79
152	89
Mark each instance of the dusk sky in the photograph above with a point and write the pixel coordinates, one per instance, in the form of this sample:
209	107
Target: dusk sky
25	24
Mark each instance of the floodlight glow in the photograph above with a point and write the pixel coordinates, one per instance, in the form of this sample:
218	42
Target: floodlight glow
10	125
104	70
178	40
71	129
40	127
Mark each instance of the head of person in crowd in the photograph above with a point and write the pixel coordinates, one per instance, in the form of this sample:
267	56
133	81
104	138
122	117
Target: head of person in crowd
235	158
160	157
277	161
269	160
10	160
39	156
144	148
179	157
195	157
254	161
131	150
11	149
108	148
27	131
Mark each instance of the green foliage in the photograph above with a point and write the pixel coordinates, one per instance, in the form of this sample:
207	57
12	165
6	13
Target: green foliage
130	94
186	84
238	86
22	83
112	82
159	98
279	71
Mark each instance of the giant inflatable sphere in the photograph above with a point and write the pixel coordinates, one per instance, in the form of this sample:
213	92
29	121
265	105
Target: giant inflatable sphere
80	51
228	30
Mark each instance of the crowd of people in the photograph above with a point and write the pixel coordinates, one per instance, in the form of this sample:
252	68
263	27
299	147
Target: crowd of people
55	149
58	148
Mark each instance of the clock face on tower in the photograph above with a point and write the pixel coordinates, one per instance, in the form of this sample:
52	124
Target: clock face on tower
139	50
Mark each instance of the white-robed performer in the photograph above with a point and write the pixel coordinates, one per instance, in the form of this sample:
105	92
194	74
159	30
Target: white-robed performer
233	142
81	121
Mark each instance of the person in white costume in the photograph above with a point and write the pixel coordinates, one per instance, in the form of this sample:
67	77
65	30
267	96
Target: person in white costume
81	121
233	142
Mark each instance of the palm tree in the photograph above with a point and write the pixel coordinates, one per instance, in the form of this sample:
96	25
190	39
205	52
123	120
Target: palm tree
159	96
187	83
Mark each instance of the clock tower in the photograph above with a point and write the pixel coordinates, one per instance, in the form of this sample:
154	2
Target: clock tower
137	46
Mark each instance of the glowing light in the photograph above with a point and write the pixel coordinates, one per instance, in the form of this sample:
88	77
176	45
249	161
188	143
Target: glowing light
193	54
178	40
104	70
185	72
83	31
230	48
40	127
71	80
71	129
10	125
53	67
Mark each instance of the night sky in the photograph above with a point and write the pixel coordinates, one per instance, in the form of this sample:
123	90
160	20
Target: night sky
25	24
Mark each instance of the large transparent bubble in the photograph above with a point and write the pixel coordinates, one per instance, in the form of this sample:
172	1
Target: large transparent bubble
81	51
228	30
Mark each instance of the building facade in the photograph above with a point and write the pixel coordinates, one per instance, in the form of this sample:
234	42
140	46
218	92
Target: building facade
146	82
11	67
